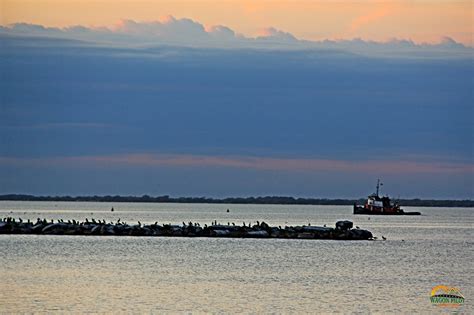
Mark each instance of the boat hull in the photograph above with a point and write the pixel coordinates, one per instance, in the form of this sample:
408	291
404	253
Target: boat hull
362	210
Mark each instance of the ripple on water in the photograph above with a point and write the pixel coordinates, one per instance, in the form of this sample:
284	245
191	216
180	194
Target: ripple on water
143	274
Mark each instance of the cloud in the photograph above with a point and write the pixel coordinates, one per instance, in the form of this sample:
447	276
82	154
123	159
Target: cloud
168	28
221	32
372	167
189	33
208	101
59	126
271	33
371	17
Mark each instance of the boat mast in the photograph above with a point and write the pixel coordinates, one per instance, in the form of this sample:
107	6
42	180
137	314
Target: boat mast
378	186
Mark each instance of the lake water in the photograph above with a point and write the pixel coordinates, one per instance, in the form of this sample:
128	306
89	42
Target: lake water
46	273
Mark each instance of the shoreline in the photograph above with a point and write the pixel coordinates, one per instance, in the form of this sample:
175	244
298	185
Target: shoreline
267	200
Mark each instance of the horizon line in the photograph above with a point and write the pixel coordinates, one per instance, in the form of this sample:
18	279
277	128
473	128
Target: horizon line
175	199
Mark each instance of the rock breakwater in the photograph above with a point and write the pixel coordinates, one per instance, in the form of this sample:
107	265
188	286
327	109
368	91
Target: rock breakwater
342	231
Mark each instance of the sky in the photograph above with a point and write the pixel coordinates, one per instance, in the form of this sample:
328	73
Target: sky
381	20
237	98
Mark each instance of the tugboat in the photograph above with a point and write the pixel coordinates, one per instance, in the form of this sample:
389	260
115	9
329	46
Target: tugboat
380	205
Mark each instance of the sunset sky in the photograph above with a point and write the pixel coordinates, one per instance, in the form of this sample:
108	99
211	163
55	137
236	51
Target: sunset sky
237	98
380	20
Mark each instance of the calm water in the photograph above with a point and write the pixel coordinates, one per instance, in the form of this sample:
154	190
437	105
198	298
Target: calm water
145	274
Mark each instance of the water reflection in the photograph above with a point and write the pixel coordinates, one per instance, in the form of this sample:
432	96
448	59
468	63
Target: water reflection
146	274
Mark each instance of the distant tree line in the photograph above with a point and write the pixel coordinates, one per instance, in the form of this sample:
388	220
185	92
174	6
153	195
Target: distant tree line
270	200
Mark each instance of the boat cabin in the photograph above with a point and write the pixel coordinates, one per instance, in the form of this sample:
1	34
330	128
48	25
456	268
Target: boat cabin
379	204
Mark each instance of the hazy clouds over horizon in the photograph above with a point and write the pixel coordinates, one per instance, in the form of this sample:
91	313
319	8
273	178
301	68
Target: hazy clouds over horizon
188	33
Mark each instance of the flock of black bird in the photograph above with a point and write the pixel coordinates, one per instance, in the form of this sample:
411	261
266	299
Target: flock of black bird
342	231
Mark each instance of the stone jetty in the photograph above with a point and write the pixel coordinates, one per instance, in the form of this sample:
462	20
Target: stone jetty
342	231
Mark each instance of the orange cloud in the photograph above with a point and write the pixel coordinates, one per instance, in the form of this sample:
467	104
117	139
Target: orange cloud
381	11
